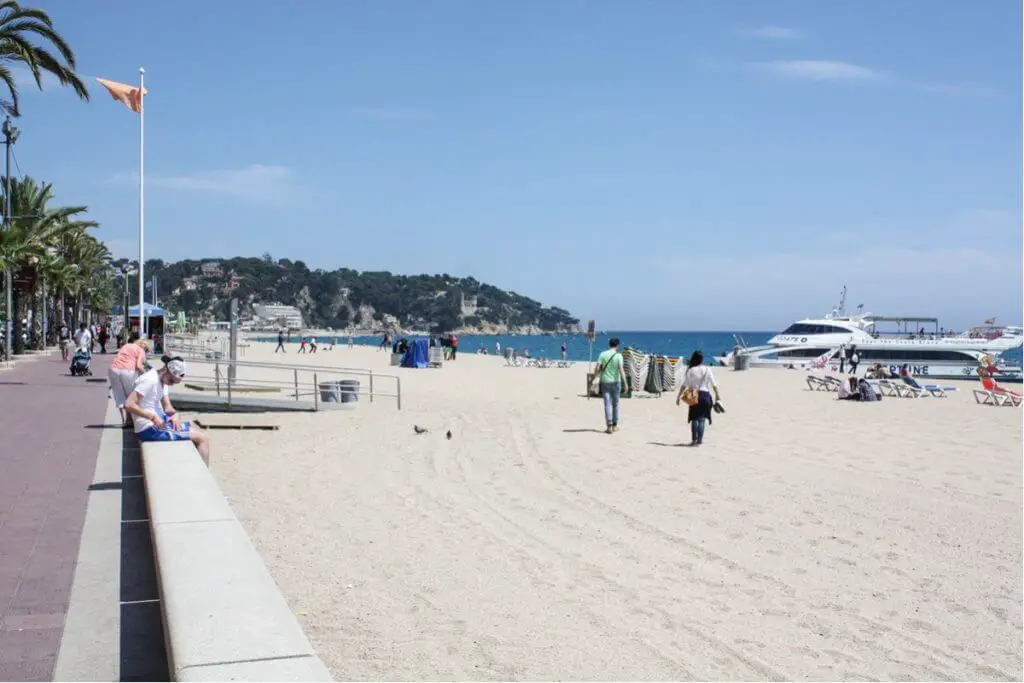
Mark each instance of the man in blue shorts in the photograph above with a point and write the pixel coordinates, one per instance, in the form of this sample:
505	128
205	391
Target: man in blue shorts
151	410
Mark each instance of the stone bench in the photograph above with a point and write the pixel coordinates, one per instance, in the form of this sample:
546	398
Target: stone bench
224	617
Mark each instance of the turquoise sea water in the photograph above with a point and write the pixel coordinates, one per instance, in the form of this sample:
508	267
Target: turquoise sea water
671	344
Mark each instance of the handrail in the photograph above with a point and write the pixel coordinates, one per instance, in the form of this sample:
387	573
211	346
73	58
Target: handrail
373	391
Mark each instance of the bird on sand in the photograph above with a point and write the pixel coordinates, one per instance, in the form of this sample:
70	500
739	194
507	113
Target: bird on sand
419	430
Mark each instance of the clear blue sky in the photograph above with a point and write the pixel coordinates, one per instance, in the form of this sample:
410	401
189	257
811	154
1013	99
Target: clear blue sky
658	165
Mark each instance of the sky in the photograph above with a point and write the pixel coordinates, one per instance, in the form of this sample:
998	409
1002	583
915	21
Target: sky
650	164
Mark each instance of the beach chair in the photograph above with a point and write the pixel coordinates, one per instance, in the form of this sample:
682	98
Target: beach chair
914	389
815	383
832	383
888	388
990	398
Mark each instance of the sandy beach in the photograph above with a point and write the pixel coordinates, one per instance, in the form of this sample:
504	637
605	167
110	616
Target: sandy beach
806	539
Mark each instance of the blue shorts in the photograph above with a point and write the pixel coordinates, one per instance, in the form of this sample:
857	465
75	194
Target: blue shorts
154	434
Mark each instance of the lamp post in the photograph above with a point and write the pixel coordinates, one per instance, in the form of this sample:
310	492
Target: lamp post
51	252
126	271
10	137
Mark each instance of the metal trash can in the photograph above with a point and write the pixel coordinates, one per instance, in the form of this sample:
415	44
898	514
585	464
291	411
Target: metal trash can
348	389
741	361
330	392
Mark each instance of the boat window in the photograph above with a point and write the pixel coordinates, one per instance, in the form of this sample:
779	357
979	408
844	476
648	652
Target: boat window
803	352
908	355
804	329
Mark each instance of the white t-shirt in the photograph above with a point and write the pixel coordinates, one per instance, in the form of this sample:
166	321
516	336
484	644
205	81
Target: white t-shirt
83	338
699	378
151	391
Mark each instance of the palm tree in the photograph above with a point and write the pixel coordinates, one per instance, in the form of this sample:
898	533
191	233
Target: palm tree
18	26
35	230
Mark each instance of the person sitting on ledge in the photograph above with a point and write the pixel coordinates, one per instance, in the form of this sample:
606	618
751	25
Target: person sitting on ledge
154	416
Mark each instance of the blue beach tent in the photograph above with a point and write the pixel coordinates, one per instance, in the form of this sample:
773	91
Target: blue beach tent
418	355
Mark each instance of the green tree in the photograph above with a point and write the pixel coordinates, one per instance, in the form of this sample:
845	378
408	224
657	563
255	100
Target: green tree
22	29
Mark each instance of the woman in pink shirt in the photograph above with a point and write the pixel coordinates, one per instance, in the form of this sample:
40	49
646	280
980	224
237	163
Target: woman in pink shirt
129	363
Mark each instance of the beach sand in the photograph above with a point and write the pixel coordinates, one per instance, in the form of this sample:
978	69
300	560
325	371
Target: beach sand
806	539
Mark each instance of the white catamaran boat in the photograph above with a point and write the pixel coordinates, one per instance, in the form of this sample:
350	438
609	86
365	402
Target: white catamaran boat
919	343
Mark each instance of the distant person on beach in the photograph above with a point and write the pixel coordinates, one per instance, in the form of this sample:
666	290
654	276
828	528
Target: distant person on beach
312	344
497	348
698	377
351	341
842	359
128	365
280	342
612	378
385	343
854	360
302	345
155	418
64	339
564	354
455	346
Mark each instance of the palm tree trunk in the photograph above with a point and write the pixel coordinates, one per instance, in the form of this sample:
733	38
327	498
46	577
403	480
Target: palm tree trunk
20	309
36	335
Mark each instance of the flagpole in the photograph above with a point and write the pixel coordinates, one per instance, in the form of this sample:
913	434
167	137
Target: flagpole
142	203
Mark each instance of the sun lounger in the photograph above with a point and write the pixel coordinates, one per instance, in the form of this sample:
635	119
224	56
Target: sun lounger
832	383
815	383
914	389
990	398
888	388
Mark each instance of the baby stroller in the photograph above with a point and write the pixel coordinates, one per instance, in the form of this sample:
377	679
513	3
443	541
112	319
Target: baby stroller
80	363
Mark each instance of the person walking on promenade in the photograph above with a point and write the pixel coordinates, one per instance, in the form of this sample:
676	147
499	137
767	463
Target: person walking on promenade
127	366
83	338
155	418
280	342
612	378
699	382
302	345
64	339
312	344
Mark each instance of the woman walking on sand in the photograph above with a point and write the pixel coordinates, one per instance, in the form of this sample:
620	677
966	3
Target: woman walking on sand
612	382
699	383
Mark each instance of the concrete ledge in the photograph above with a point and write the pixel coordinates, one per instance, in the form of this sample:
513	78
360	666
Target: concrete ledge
224	617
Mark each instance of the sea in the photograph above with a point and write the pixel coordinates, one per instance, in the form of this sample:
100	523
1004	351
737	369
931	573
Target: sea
578	347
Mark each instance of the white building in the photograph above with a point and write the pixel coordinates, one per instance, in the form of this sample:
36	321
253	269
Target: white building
279	314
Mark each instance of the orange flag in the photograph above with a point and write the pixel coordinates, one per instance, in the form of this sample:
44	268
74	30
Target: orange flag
128	95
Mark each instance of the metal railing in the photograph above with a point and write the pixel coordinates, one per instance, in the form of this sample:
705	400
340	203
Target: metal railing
231	378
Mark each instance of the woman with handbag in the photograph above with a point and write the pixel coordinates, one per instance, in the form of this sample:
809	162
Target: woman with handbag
612	378
697	387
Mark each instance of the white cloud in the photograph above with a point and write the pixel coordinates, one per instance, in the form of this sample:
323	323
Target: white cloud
772	33
820	70
257	183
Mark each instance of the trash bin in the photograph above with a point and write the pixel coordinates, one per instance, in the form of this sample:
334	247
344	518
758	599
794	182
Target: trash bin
330	392
741	362
348	389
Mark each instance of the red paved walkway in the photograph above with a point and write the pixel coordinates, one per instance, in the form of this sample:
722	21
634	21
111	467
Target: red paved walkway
47	458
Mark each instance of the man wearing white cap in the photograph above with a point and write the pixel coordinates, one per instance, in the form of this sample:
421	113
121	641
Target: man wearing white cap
151	410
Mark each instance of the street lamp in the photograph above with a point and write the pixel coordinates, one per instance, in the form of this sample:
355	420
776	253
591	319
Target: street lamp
127	270
10	137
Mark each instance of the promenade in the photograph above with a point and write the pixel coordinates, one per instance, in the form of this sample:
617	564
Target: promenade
68	568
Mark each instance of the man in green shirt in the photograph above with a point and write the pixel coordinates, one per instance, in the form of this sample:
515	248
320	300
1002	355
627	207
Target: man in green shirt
612	382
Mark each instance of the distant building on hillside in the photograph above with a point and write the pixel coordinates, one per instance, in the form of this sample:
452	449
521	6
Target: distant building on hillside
279	314
211	269
468	305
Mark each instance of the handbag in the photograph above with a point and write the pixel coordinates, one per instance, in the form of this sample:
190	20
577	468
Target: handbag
690	395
